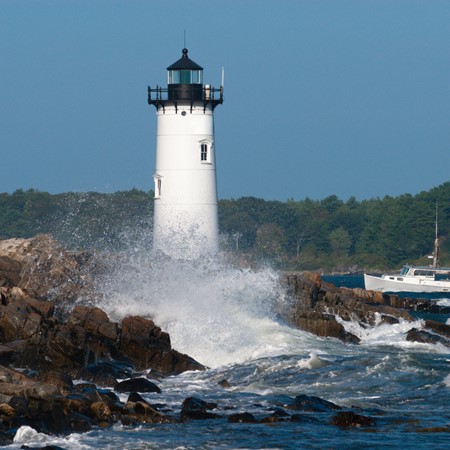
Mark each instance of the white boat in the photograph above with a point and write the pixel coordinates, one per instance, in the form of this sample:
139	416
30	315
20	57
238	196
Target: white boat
413	278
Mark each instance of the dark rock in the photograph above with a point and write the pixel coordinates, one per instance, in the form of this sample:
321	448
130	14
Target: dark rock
242	418
326	326
224	383
148	346
142	412
197	409
20	406
47	447
389	319
59	379
426	337
10	270
94	321
137	385
278	415
311	404
101	411
135	397
82	386
438	327
350	419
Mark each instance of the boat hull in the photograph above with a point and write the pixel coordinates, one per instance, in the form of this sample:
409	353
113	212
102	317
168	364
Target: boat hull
407	284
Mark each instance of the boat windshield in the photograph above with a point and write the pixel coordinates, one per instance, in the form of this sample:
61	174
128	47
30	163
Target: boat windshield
404	270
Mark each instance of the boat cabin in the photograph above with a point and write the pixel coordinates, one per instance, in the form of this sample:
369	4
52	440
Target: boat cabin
426	272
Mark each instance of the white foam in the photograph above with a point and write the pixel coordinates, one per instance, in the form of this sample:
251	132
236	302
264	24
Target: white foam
313	362
215	312
381	333
27	434
443	302
447	381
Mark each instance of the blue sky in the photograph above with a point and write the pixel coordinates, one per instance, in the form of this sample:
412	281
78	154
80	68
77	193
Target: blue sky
322	97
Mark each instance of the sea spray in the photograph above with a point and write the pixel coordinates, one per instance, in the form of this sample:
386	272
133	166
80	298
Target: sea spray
214	311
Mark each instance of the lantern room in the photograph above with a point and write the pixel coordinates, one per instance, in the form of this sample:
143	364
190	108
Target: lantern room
185	86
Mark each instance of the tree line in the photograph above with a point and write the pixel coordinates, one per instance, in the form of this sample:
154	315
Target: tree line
327	234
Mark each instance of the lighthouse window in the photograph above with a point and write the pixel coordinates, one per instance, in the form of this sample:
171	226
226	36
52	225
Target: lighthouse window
158	183
185	76
204	153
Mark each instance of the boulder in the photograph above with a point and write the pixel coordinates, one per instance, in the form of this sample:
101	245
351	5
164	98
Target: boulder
137	385
310	403
148	346
197	409
349	419
426	337
245	417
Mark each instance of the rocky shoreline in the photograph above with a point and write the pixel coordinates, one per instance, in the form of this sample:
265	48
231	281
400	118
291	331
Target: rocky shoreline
48	340
322	308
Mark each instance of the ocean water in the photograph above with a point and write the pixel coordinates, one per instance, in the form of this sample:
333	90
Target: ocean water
231	320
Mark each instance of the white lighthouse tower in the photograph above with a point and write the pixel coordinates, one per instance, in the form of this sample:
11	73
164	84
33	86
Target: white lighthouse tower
185	223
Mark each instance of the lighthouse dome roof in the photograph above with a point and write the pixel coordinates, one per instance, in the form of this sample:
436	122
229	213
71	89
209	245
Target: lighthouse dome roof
185	63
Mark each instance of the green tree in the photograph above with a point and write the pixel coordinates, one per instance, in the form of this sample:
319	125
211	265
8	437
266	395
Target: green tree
340	242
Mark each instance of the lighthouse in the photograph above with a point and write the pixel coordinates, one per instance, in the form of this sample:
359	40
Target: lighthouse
185	222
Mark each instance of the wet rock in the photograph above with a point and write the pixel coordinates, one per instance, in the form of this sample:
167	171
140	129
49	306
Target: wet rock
277	416
47	447
224	384
143	413
438	327
349	419
148	346
6	410
135	397
59	379
197	409
94	321
101	411
19	385
326	326
98	376
137	385
389	319
245	417
311	404
426	337
20	406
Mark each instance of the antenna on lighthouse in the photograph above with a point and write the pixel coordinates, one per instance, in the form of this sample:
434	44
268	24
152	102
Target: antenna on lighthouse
223	77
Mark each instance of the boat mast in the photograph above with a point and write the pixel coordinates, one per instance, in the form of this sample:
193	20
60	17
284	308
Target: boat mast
436	243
